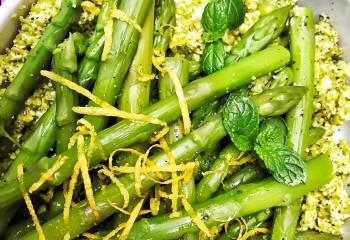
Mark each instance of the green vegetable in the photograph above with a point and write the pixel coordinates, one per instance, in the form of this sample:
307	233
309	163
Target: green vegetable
272	130
219	15
206	158
195	69
90	64
210	183
315	134
65	64
299	119
82	219
283	78
126	133
263	32
247	174
165	19
252	221
241	121
28	77
288	95
213	57
167	89
112	72
200	115
135	94
80	43
244	200
283	163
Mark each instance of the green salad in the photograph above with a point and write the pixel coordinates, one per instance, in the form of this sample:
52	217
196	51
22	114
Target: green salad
173	119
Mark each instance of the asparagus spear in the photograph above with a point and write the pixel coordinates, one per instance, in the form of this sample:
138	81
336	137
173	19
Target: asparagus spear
265	101
90	64
112	72
125	133
200	115
165	18
201	141
299	119
242	201
252	221
263	32
283	78
195	69
211	182
167	89
65	64
315	134
247	174
81	219
135	94
28	77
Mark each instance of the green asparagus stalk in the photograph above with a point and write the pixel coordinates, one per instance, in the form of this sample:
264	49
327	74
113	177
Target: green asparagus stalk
81	219
37	145
200	115
263	32
112	72
290	95
90	64
28	77
252	221
126	133
167	89
217	172
299	119
195	69
165	18
247	174
135	93
283	78
315	134
65	64
243	201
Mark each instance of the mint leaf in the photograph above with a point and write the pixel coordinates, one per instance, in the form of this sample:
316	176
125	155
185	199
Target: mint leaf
272	130
241	121
213	58
220	15
283	163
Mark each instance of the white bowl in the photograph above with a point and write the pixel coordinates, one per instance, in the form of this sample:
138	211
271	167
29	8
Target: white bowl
337	10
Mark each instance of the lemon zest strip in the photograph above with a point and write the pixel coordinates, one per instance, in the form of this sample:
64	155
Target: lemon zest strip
133	215
85	175
119	184
200	224
253	232
28	202
47	175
